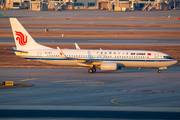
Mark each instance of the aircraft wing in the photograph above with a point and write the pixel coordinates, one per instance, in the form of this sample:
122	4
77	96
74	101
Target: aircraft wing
82	62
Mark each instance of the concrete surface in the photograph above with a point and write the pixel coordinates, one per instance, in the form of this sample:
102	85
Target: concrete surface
76	94
97	28
92	21
91	14
98	41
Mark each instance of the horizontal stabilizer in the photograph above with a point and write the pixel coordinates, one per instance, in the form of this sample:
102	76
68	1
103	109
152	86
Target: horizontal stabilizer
16	50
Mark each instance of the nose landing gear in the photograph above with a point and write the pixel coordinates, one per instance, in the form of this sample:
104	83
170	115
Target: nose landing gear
159	71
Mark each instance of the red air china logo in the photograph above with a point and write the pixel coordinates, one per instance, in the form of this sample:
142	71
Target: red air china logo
21	38
149	54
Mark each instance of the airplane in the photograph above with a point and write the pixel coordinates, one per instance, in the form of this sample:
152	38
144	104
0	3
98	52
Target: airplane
105	60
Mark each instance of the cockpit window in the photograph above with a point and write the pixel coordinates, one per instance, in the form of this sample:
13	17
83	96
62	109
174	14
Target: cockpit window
168	57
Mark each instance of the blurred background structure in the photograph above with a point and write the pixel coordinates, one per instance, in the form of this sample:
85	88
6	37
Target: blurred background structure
112	5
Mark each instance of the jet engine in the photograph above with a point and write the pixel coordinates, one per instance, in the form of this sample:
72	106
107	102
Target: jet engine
109	66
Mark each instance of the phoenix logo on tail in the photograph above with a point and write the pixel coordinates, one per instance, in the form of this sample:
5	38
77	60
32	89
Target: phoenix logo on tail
21	38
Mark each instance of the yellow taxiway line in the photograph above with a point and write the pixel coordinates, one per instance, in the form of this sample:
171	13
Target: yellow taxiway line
29	79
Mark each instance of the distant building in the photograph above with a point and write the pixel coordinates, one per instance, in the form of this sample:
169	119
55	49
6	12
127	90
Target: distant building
112	5
85	4
16	4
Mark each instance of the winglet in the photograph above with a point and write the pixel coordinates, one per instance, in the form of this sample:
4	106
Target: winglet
77	47
61	53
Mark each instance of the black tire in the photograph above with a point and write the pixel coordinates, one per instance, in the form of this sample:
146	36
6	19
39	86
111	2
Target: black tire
90	71
159	71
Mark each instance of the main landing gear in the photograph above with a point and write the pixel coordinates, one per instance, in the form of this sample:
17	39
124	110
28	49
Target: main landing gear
159	71
92	70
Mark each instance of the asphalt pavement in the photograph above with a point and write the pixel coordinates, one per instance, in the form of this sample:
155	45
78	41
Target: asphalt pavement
97	28
94	21
91	14
98	41
76	94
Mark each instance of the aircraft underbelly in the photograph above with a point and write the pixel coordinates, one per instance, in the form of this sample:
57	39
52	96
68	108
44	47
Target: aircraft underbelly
146	64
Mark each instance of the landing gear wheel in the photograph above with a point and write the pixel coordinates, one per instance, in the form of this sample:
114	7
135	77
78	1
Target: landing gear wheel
90	71
159	71
93	70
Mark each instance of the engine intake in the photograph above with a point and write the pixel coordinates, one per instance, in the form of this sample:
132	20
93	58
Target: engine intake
109	66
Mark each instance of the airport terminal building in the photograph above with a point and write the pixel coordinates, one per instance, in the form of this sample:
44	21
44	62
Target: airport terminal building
112	5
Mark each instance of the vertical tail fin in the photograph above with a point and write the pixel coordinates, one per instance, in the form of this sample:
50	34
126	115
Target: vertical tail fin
22	38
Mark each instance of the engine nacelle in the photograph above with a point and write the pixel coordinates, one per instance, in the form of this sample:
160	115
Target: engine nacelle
109	66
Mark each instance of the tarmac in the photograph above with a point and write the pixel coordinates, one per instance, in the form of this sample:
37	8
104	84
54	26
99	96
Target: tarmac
90	14
96	29
93	17
98	41
95	21
76	94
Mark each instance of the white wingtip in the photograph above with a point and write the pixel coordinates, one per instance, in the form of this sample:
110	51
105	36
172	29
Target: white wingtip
77	47
61	53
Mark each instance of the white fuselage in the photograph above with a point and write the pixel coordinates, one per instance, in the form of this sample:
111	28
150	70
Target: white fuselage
123	58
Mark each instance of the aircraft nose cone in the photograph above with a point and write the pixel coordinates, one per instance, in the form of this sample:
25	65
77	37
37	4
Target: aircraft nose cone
175	61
